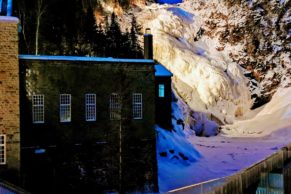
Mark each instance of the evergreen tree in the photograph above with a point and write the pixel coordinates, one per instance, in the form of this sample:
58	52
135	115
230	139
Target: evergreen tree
100	42
88	37
114	37
90	25
126	51
135	46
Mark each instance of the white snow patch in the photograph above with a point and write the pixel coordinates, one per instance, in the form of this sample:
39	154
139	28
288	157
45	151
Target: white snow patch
275	115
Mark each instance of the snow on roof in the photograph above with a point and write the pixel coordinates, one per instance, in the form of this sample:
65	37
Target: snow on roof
161	71
76	58
8	18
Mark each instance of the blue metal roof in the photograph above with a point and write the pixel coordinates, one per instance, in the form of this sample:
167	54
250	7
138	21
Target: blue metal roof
161	71
76	58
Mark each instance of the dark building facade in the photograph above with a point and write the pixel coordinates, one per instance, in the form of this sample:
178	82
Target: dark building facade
163	99
91	116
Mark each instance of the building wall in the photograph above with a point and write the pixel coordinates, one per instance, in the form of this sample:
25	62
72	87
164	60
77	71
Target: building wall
9	93
97	141
164	105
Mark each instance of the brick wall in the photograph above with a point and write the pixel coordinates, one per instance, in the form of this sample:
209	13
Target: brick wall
9	91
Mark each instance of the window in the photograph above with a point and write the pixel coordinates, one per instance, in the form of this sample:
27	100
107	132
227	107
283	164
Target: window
137	106
90	100
2	149
161	90
114	106
65	108
38	108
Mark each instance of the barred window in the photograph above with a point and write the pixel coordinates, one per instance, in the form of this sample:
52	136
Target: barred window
137	106
65	108
90	101
161	90
2	149
38	108
114	106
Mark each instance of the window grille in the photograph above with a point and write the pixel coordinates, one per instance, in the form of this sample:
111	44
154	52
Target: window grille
137	106
90	107
65	108
161	90
38	108
2	149
114	107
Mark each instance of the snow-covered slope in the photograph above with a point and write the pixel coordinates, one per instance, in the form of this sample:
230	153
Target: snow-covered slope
274	116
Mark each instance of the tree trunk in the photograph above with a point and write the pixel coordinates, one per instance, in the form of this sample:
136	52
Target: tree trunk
37	34
41	8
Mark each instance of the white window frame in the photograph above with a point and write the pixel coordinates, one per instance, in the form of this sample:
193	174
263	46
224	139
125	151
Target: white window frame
137	106
115	106
37	108
161	90
90	107
65	108
2	149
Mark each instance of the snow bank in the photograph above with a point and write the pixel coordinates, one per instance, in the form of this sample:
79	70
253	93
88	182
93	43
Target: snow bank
274	117
174	151
174	147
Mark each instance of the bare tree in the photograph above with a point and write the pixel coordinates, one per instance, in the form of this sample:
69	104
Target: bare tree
40	10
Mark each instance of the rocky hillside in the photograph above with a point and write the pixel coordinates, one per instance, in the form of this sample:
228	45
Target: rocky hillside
266	35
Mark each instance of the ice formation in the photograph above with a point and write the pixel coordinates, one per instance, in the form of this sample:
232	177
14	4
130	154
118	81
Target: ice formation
203	77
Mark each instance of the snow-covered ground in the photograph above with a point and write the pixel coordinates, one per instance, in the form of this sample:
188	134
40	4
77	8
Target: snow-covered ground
227	153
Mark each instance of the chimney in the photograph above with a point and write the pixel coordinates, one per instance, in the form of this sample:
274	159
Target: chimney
148	44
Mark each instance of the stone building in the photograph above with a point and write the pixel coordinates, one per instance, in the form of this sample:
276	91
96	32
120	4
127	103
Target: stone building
87	124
